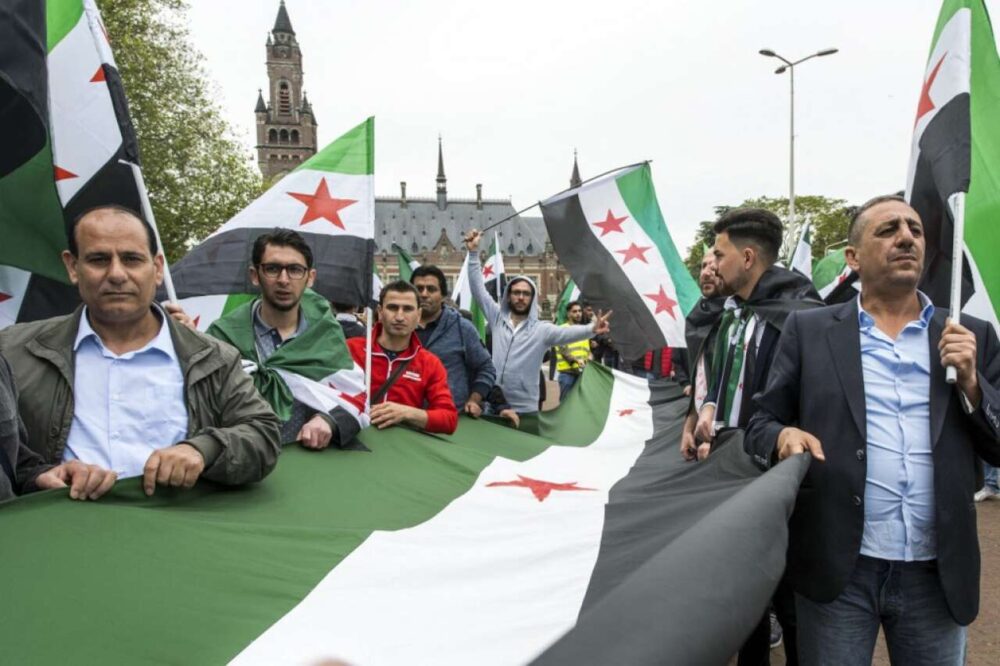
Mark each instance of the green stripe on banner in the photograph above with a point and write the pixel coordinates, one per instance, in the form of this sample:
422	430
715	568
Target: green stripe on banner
353	153
61	16
637	190
195	576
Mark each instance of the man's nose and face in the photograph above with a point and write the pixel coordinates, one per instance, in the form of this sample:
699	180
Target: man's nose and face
708	280
731	265
891	247
431	298
399	313
520	296
575	314
282	276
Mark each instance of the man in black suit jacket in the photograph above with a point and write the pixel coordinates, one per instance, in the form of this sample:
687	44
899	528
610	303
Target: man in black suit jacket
868	492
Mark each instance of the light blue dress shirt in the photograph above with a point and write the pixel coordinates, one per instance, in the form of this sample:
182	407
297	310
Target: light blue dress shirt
899	488
127	406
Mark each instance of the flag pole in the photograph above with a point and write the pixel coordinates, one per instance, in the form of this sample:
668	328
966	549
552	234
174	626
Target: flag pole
956	202
147	211
368	358
496	263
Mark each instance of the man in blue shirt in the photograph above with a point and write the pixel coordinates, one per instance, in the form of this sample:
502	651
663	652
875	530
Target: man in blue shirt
884	528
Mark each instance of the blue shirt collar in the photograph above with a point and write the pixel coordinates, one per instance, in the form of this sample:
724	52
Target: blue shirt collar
866	321
162	342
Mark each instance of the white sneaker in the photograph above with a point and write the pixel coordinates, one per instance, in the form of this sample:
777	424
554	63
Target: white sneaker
985	493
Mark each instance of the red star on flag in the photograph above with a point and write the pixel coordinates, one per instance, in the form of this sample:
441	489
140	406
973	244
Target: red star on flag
633	251
926	104
322	205
98	76
487	271
5	297
663	302
63	174
196	320
611	223
625	412
358	401
540	489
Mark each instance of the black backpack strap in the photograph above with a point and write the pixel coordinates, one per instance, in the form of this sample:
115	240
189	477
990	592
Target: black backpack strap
384	389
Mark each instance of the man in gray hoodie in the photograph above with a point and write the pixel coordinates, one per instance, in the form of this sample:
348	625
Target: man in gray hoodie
520	340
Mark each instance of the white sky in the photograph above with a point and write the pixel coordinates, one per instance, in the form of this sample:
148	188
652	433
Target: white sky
515	86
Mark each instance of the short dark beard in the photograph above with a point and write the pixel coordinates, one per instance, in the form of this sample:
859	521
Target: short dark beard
280	307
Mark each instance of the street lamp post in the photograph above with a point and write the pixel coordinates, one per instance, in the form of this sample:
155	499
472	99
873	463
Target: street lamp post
790	66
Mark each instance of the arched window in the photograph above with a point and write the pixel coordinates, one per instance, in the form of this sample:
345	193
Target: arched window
283	136
272	136
295	137
284	98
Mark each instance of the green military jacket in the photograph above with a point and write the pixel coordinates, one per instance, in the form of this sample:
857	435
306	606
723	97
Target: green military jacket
235	430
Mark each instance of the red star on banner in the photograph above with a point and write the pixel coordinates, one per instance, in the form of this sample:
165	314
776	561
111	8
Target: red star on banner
5	297
357	400
926	104
611	223
625	412
63	174
487	271
322	205
634	252
98	76
540	489
663	302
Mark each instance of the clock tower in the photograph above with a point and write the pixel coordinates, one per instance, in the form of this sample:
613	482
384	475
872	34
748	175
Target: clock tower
286	127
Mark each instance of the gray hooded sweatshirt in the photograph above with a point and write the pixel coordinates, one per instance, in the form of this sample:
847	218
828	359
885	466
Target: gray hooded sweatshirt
517	353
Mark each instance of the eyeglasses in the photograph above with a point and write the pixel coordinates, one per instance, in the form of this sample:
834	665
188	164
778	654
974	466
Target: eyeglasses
273	271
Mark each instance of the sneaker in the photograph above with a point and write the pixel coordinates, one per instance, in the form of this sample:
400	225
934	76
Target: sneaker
985	493
775	630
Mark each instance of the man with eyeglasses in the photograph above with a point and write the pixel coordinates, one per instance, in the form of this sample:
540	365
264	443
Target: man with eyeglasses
291	329
520	339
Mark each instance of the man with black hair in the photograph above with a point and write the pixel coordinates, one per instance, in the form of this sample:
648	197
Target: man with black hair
347	317
291	328
759	298
446	334
572	357
409	384
122	385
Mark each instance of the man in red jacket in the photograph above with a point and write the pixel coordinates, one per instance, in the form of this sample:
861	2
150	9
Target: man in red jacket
418	394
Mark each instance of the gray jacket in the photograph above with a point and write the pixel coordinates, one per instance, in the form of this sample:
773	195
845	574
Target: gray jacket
19	465
233	428
517	354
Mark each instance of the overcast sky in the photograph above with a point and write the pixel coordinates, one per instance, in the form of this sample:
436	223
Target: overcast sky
514	87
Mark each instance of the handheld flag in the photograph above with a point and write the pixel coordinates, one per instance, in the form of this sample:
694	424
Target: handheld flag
611	236
494	273
462	295
802	258
407	264
569	294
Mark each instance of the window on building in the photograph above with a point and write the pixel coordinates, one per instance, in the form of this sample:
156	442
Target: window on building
283	136
284	98
272	136
295	137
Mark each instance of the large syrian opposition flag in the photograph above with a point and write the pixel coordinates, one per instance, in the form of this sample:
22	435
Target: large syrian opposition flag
611	236
328	199
956	148
485	547
66	132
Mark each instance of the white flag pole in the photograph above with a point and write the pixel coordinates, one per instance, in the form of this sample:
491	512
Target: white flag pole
147	211
496	261
957	204
368	358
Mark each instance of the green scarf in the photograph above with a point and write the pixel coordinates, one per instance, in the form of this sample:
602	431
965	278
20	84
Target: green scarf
317	353
729	356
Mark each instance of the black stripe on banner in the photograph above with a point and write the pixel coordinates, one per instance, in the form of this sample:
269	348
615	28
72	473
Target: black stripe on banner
23	82
219	266
601	279
690	554
44	298
943	168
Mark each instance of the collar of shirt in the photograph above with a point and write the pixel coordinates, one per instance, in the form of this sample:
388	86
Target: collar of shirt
866	322
261	328
162	342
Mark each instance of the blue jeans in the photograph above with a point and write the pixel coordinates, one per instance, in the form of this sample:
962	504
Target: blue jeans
566	382
904	597
990	477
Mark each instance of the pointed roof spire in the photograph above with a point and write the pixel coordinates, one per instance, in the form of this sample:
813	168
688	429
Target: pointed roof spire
306	106
282	23
261	107
574	179
440	176
442	182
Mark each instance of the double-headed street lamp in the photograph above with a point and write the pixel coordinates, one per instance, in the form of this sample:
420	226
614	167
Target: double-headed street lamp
790	66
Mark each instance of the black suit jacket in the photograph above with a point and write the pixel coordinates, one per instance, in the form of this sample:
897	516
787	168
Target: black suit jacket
816	384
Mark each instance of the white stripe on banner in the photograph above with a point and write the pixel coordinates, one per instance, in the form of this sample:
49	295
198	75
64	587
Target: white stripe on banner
421	596
344	389
85	133
637	255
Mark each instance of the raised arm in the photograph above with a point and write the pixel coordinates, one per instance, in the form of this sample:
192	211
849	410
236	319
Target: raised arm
476	284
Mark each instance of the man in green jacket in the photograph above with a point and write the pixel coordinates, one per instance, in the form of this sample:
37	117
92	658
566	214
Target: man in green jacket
121	384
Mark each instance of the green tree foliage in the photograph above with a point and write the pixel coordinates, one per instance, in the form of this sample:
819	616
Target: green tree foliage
830	220
197	172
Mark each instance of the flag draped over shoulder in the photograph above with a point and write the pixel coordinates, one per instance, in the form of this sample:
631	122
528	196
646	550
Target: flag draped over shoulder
328	199
611	236
484	547
67	134
314	367
956	148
